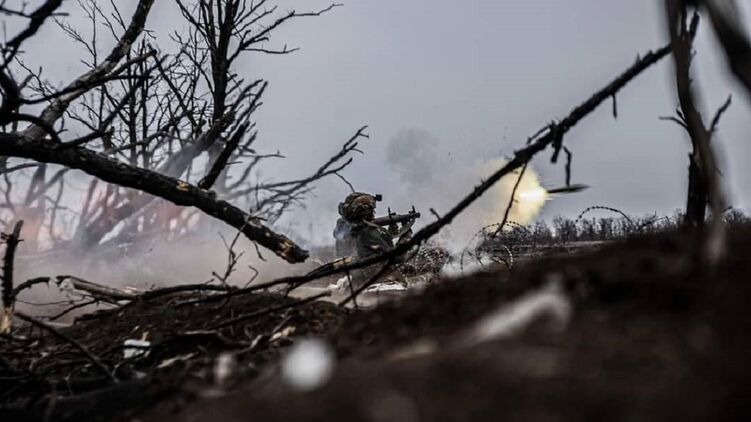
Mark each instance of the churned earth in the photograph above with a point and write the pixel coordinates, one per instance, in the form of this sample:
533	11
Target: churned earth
634	331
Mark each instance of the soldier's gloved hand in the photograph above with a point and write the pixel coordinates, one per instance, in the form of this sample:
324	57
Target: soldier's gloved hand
405	237
393	230
407	226
406	231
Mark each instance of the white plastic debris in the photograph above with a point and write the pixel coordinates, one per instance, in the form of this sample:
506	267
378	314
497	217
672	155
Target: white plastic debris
308	365
171	361
283	333
511	318
340	284
135	348
386	287
67	288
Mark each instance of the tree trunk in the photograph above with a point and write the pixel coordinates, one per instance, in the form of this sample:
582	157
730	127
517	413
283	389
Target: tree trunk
697	198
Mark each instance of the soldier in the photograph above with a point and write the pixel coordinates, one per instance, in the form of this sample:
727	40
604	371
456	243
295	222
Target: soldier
368	239
355	226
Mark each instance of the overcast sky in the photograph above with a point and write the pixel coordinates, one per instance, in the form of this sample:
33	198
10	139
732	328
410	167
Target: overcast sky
481	76
473	79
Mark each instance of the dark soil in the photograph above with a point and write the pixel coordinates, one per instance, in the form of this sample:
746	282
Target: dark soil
652	337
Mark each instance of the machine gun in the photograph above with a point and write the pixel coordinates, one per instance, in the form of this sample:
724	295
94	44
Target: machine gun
393	218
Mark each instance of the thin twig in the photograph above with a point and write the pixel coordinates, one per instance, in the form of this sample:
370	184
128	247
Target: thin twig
267	311
80	347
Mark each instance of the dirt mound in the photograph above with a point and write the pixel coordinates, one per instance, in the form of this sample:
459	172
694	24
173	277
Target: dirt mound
645	335
650	338
186	333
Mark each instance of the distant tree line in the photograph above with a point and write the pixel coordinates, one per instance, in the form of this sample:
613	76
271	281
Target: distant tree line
564	229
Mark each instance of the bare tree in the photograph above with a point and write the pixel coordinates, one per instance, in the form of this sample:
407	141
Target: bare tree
177	127
704	183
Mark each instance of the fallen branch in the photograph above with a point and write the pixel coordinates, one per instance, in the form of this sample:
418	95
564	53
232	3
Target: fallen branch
267	311
29	284
153	294
97	291
73	308
174	190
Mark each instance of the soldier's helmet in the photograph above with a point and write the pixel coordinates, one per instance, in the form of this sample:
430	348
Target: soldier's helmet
357	206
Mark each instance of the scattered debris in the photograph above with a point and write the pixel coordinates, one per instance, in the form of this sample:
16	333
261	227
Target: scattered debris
77	286
135	348
171	361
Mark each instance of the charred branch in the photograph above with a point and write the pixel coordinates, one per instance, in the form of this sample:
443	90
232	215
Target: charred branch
36	20
11	240
95	290
171	189
29	284
223	159
78	87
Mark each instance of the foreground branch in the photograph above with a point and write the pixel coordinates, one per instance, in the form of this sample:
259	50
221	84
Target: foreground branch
727	24
171	189
11	243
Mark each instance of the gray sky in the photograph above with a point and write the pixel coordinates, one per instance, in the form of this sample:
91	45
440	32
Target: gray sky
476	77
481	76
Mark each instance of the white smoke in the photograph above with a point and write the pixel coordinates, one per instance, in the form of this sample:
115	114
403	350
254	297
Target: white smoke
434	178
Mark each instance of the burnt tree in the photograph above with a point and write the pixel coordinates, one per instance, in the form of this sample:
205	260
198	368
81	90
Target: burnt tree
164	131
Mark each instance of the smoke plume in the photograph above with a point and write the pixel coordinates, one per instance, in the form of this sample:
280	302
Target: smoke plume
435	177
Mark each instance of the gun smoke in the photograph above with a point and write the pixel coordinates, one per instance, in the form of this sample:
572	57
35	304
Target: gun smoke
420	165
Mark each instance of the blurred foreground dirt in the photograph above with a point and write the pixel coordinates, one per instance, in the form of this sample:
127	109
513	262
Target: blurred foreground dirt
648	336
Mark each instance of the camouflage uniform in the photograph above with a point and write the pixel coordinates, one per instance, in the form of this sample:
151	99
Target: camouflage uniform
354	233
369	239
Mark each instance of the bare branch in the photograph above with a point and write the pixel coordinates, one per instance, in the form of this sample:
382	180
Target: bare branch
78	87
37	19
716	119
171	189
727	25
